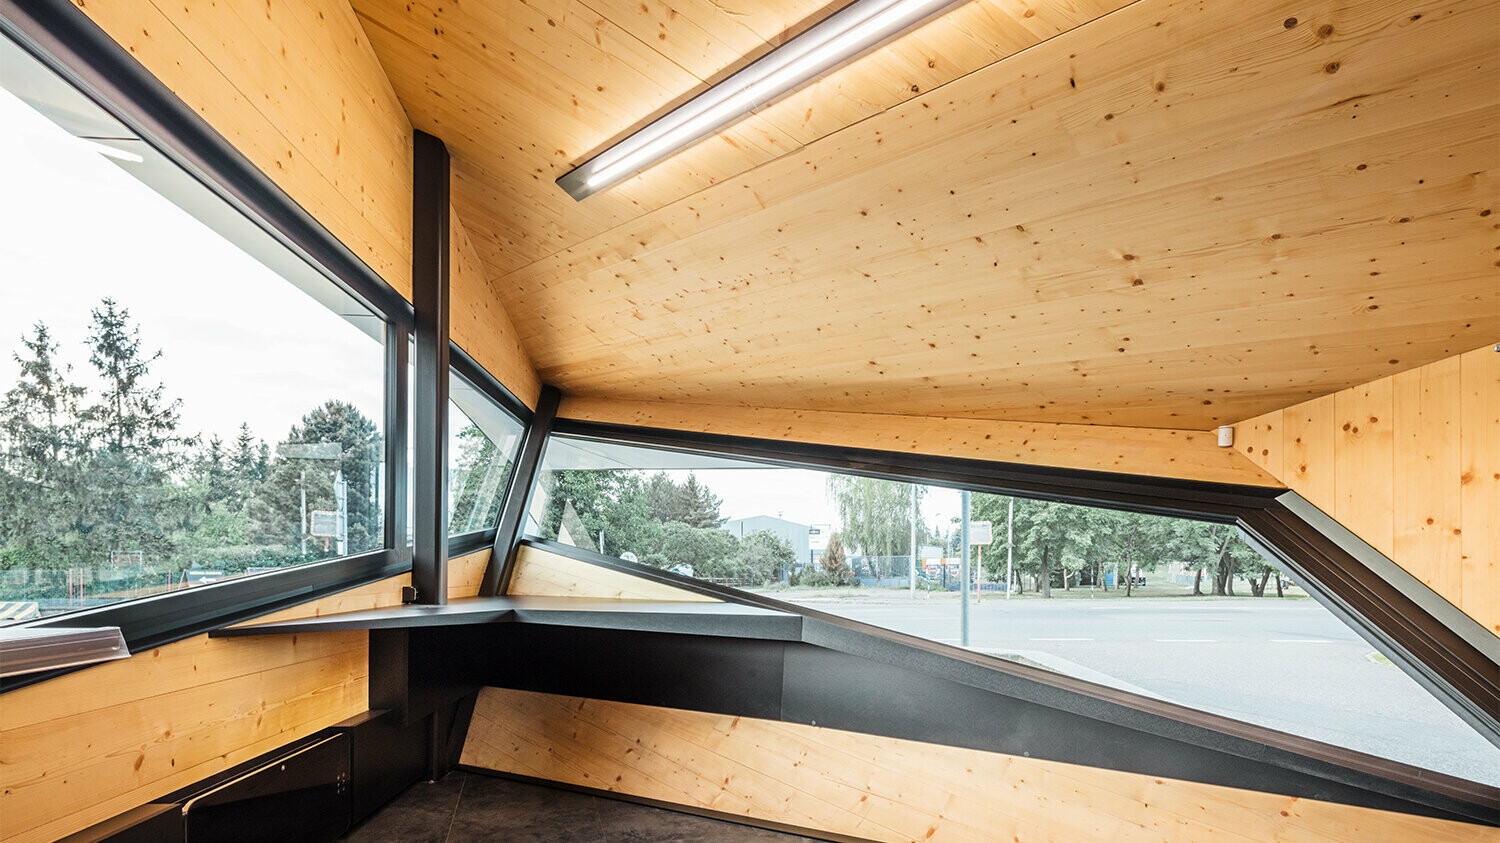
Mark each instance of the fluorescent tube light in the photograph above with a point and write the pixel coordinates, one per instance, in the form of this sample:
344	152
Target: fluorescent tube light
846	34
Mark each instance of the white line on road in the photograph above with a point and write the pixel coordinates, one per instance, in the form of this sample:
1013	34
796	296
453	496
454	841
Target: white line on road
1185	640
1302	641
1059	639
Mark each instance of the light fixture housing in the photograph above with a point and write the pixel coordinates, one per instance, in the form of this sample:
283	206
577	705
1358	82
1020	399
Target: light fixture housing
843	36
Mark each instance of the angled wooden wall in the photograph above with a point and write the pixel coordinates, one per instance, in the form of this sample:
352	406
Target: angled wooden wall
1183	454
1411	464
84	747
296	87
888	789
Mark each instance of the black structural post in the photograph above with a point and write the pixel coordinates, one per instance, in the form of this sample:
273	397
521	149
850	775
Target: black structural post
518	495
397	359
429	282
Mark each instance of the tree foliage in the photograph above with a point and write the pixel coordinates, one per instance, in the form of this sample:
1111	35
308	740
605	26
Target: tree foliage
104	485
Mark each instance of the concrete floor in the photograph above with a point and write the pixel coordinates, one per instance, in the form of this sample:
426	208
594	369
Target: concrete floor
466	807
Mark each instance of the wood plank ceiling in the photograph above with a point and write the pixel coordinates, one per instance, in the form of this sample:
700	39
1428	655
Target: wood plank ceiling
1159	213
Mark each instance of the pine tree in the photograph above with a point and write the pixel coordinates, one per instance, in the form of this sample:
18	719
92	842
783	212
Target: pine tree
134	428
42	447
834	563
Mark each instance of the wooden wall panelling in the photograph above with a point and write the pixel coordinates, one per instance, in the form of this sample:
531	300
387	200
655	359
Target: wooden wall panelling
889	789
1427	519
548	574
1187	454
479	323
1308	445
1364	463
1479	484
296	87
1411	464
86	746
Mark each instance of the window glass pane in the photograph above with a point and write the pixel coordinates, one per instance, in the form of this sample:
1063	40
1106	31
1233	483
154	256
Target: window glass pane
181	399
482	445
1169	608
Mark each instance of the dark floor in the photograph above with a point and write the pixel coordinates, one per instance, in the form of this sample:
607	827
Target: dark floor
466	806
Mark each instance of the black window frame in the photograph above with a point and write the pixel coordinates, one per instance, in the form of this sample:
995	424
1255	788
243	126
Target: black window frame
463	544
66	41
1427	638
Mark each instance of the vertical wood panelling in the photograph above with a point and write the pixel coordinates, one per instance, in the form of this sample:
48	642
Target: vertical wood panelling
1411	464
1307	443
1479	483
1364	460
1260	440
1427	522
889	789
295	86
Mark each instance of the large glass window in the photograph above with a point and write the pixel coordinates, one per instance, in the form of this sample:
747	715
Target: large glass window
483	440
1170	608
181	399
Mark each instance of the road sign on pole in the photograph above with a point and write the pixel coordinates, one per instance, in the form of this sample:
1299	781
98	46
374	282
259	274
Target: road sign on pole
981	532
325	524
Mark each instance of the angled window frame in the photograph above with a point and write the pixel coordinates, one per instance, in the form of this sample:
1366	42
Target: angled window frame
62	38
1448	653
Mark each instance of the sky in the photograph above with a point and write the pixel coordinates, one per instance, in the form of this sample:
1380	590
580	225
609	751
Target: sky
239	343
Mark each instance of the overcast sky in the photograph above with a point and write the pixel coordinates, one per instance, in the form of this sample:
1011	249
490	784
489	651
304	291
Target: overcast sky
238	342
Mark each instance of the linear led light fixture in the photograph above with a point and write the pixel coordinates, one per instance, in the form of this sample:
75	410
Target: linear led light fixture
846	34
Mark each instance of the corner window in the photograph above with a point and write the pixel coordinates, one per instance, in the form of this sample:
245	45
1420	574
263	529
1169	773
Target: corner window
182	400
1175	609
482	446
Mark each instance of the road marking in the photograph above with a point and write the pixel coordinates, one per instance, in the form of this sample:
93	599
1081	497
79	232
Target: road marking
1185	640
1059	639
1303	641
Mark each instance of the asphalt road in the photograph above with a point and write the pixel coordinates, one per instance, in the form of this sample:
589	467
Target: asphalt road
1286	664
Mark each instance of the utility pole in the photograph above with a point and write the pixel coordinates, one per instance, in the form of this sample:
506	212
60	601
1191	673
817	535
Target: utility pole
341	495
912	575
302	492
964	572
1010	542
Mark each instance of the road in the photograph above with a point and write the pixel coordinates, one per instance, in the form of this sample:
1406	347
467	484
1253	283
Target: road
1286	664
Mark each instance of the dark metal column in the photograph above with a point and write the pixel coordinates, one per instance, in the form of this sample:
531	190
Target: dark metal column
397	359
518	495
429	283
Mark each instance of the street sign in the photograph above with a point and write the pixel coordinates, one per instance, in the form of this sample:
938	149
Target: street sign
817	536
980	532
325	524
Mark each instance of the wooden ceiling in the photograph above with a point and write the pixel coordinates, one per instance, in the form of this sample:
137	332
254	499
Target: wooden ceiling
1159	213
